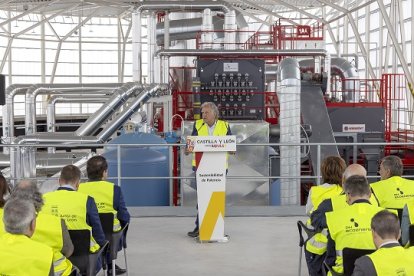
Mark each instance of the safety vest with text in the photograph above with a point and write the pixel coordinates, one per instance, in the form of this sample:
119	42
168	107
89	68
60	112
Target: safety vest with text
103	194
221	129
317	244
49	231
71	207
351	227
394	192
20	255
393	261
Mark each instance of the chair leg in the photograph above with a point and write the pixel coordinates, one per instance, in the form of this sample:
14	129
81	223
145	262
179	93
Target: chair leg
300	261
113	268
126	261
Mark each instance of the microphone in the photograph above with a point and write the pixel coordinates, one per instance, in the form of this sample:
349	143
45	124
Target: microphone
200	127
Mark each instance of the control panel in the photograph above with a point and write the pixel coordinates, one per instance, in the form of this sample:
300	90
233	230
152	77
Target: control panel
235	86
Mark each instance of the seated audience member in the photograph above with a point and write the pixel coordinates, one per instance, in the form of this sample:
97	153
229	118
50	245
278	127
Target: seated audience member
4	194
318	217
77	209
392	191
332	169
50	230
19	254
351	225
108	197
390	258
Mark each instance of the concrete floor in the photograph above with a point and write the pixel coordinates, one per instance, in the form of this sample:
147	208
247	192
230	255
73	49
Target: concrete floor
257	246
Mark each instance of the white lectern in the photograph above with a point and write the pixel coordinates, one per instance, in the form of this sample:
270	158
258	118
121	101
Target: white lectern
211	165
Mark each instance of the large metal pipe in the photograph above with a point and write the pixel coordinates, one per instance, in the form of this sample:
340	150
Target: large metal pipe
143	96
345	69
118	98
8	112
242	53
289	120
21	165
185	29
36	89
51	105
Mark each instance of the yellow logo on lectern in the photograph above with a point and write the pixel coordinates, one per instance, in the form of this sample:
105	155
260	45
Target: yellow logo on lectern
214	209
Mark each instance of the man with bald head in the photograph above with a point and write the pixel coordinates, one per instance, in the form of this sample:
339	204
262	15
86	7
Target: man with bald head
318	218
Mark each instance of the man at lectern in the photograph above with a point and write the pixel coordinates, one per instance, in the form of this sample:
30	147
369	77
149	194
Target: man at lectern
209	125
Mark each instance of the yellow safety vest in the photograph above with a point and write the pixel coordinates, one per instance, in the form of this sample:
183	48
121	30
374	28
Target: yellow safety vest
351	227
221	129
49	231
22	256
71	207
2	230
103	194
317	244
410	206
394	192
393	261
339	202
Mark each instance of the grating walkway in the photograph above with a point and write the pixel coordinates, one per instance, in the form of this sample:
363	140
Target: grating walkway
257	246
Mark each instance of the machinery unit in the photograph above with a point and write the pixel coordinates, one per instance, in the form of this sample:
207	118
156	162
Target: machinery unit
235	86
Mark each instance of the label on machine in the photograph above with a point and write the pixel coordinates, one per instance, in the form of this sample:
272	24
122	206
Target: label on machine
353	128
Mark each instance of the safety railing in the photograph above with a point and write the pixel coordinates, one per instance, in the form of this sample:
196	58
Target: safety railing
305	177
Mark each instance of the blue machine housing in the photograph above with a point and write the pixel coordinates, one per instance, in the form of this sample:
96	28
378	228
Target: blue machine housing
151	161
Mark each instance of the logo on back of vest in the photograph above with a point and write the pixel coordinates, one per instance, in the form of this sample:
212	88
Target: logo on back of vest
354	227
400	194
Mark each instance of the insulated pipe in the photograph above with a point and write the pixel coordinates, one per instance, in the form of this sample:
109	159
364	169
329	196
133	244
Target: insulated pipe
142	97
185	29
230	29
8	112
241	53
67	139
136	47
119	97
289	120
171	6
51	105
34	90
345	70
180	6
207	30
151	46
22	158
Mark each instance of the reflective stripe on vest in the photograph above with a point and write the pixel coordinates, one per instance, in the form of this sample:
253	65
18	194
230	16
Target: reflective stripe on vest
351	227
49	231
393	261
394	192
317	244
71	207
103	194
221	129
22	256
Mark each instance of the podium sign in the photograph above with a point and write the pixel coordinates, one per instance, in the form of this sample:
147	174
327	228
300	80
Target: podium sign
211	160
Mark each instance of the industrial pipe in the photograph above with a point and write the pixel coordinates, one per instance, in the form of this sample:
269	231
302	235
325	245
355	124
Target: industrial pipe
51	105
345	70
23	159
36	89
8	112
118	98
289	120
